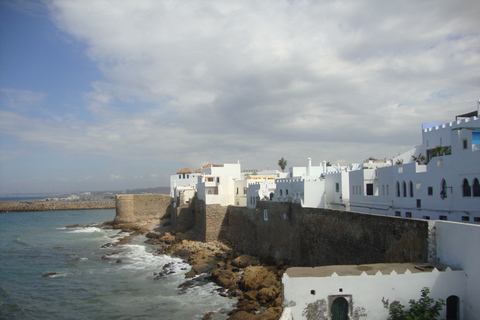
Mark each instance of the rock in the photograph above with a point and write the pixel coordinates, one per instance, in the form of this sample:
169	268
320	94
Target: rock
245	260
267	294
152	235
250	295
72	226
224	278
252	277
241	315
167	238
119	261
208	316
49	275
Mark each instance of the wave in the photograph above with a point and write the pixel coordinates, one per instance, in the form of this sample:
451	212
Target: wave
137	257
85	230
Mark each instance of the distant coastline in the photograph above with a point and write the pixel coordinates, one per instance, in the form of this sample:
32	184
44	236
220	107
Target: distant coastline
48	204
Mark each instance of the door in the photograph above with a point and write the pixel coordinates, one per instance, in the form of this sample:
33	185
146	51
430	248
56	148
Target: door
340	309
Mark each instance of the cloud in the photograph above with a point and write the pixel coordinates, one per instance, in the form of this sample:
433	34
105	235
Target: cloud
116	177
20	100
194	82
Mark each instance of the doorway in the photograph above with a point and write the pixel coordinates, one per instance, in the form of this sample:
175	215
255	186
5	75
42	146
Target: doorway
340	309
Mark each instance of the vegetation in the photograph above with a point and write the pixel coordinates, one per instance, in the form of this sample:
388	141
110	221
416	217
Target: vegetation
282	163
399	161
420	159
425	308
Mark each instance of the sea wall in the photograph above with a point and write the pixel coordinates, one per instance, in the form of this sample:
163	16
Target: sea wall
313	237
136	211
52	205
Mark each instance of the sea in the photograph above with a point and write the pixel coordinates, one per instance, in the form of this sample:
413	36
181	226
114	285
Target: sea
48	271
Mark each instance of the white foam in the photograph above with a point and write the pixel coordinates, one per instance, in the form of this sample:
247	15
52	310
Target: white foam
137	257
86	230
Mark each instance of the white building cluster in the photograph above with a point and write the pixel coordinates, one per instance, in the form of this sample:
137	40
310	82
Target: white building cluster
438	180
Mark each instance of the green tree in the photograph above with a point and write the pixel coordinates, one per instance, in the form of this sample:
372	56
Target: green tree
425	308
282	163
421	159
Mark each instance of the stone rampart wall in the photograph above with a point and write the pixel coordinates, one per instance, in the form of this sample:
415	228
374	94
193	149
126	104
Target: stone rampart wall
313	237
134	210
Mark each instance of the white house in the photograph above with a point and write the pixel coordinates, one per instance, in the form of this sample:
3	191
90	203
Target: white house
366	291
216	184
440	179
306	185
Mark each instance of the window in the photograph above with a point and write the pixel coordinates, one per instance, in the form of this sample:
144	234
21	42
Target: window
188	176
179	176
387	190
398	189
369	189
281	192
353	189
426	217
265	214
443	186
408	214
404	188
476	188
337	187
312	292
476	219
465	143
465	218
218	179
430	191
442	218
398	214
237	190
184	176
383	189
466	189
410	189
286	192
419	203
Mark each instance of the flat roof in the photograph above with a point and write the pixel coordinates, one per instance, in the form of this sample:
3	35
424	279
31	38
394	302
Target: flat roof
369	269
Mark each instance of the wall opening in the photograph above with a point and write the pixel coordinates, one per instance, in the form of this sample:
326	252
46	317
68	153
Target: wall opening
339	309
453	308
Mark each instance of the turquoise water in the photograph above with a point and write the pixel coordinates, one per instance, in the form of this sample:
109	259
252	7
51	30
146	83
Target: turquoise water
83	285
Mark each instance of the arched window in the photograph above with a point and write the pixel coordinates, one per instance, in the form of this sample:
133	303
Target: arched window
281	192
404	188
476	188
286	192
466	189
410	189
397	190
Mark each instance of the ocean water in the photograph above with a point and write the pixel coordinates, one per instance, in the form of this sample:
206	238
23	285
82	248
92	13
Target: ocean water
82	284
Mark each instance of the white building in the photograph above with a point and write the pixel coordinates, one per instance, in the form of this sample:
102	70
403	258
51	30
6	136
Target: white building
306	185
366	291
216	184
443	185
183	185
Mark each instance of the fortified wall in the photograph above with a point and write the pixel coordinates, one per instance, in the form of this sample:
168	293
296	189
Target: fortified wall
311	236
137	211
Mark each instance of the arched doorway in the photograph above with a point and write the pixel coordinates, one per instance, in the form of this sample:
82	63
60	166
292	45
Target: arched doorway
340	309
453	308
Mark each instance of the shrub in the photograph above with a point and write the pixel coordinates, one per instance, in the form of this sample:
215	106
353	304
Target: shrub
424	308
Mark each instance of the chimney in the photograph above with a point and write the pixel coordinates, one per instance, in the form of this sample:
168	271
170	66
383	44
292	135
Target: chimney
309	166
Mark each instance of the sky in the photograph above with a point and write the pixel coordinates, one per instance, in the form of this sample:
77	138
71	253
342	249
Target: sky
113	95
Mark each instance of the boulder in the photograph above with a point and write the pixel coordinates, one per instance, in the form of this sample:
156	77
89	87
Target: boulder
267	294
253	277
245	260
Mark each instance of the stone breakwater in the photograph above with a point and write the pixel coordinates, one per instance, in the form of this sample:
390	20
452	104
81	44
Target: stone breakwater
254	283
36	205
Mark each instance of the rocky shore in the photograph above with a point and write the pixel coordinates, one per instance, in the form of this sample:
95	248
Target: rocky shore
253	282
51	205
